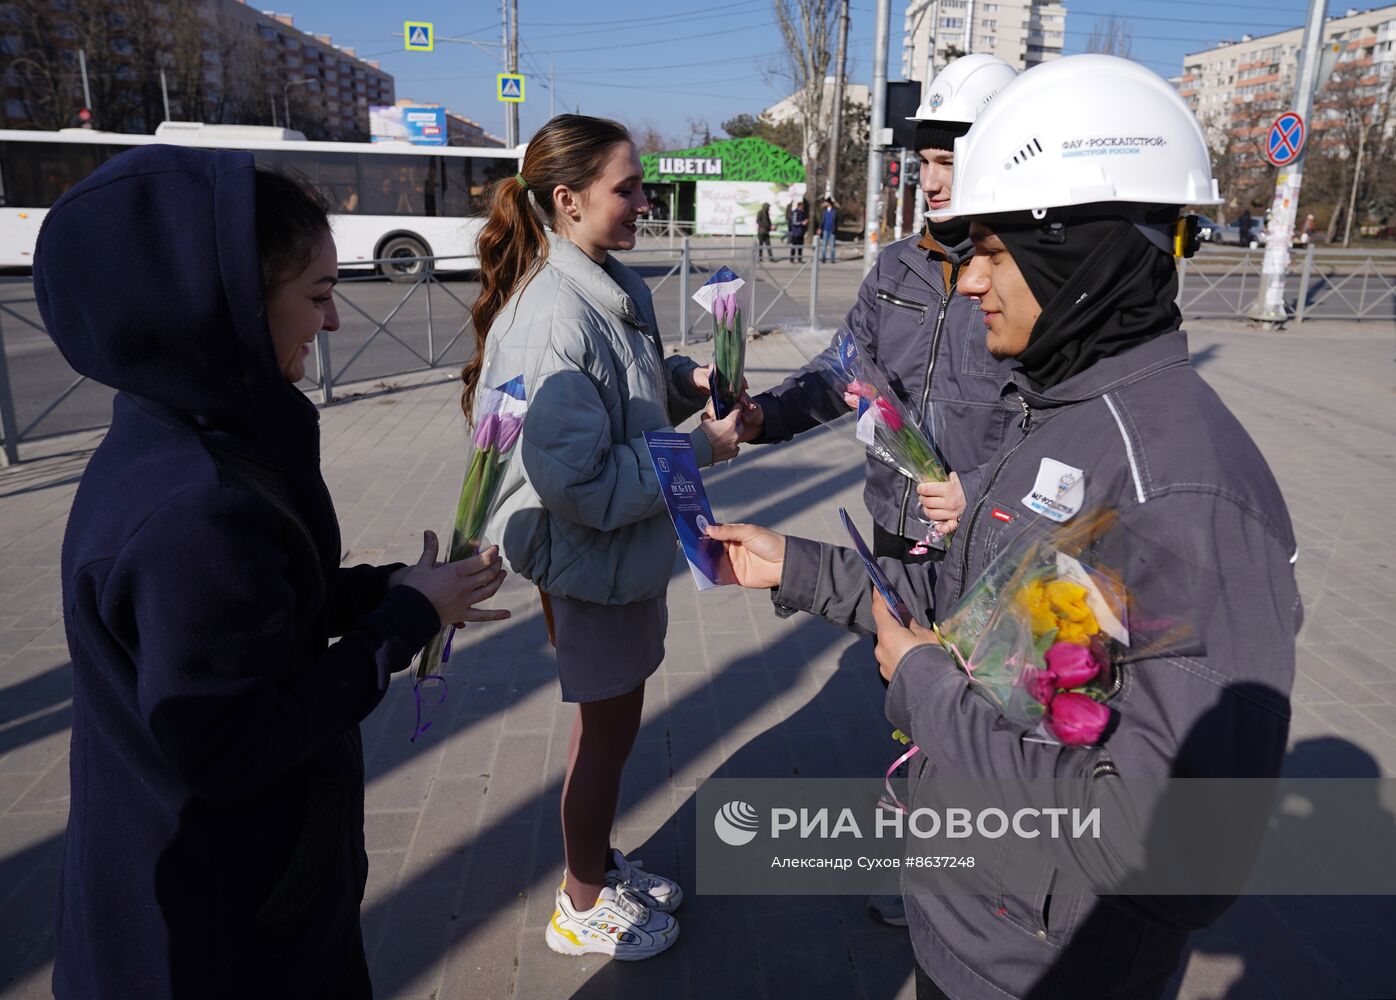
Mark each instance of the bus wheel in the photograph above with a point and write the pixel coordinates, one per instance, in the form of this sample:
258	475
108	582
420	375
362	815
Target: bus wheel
397	259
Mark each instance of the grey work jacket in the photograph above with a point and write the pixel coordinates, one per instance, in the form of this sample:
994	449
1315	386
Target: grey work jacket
581	514
1203	534
930	342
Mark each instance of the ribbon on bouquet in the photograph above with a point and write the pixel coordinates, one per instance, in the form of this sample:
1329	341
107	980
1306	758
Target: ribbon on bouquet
892	802
417	694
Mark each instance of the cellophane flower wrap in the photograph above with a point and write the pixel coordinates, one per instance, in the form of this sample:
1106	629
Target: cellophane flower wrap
1042	633
728	298
888	425
498	427
885	425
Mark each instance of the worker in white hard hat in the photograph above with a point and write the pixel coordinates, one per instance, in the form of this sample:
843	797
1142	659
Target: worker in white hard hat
930	343
1074	178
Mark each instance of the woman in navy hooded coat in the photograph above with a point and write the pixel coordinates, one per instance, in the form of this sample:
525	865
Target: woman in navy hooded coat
215	837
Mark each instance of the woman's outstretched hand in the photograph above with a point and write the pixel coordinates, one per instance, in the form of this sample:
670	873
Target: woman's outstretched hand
455	588
757	554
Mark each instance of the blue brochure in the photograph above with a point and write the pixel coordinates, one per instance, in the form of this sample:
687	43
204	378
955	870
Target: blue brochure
672	455
884	586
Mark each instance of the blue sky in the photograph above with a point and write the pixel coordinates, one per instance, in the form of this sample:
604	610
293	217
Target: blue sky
665	63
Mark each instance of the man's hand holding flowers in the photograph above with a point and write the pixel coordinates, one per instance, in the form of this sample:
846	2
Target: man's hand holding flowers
942	503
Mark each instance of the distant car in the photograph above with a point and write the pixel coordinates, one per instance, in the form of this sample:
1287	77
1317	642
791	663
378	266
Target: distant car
1231	234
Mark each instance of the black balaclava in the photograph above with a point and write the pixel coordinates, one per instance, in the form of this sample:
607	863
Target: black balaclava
1103	285
942	135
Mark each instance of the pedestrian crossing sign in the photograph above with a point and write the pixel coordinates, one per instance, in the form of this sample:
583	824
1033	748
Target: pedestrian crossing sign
418	36
511	87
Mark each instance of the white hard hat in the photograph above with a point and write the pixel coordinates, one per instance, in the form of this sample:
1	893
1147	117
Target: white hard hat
1077	131
959	91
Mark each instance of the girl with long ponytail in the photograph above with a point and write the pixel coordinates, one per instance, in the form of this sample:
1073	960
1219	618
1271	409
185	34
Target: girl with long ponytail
582	515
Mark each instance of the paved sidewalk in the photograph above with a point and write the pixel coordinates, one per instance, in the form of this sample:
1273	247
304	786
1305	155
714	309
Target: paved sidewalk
462	825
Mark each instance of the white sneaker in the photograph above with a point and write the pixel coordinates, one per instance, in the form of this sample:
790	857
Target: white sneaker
619	925
659	893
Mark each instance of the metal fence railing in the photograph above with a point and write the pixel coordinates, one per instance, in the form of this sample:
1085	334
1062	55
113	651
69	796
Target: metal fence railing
414	295
416	316
1321	283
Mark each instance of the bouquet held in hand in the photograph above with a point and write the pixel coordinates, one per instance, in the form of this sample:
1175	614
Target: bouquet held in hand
728	298
497	430
1042	633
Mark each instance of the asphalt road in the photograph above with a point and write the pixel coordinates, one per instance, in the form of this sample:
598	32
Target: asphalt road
384	326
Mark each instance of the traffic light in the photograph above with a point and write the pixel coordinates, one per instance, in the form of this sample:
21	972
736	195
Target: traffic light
913	171
892	174
84	118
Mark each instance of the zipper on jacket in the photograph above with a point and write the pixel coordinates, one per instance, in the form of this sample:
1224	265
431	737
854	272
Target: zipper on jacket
919	307
1026	425
926	389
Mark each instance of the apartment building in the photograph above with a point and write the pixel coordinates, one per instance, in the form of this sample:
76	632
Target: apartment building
1237	87
1023	33
327	87
217	61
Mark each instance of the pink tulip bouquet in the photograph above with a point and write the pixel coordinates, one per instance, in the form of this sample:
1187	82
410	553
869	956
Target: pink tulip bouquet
1041	633
894	435
497	431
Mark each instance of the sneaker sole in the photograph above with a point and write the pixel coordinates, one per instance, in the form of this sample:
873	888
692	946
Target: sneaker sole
560	944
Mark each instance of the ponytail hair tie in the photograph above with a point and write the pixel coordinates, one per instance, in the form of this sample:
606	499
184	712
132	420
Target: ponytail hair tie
522	183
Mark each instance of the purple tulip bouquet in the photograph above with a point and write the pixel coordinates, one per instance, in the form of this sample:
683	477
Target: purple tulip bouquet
1041	633
497	431
728	298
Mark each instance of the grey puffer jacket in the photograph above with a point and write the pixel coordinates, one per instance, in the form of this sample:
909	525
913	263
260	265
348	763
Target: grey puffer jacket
582	515
1203	535
930	341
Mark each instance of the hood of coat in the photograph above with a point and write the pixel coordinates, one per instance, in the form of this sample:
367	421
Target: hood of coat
148	280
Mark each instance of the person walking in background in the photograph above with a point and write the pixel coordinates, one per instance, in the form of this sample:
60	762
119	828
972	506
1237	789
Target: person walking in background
799	222
763	232
215	843
1244	225
828	225
583	515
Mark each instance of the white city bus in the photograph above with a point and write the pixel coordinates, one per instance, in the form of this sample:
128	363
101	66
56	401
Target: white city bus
388	200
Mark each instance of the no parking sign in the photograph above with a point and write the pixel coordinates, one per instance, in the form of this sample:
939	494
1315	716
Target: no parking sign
1286	139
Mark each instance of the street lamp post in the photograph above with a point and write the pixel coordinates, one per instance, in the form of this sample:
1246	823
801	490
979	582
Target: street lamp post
286	95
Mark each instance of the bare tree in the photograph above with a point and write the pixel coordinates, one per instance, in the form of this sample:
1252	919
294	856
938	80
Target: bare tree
1353	141
807	29
1111	36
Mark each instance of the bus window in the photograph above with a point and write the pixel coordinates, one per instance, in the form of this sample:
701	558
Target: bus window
398	185
334	176
338	181
37	173
468	180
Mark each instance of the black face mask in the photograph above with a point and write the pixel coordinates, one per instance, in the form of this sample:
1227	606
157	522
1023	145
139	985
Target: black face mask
1103	288
950	233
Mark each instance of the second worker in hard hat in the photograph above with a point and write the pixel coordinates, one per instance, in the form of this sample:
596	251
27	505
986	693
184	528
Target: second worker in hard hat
929	341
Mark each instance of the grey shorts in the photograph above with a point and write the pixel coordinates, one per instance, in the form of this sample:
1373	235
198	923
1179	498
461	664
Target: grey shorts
607	650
